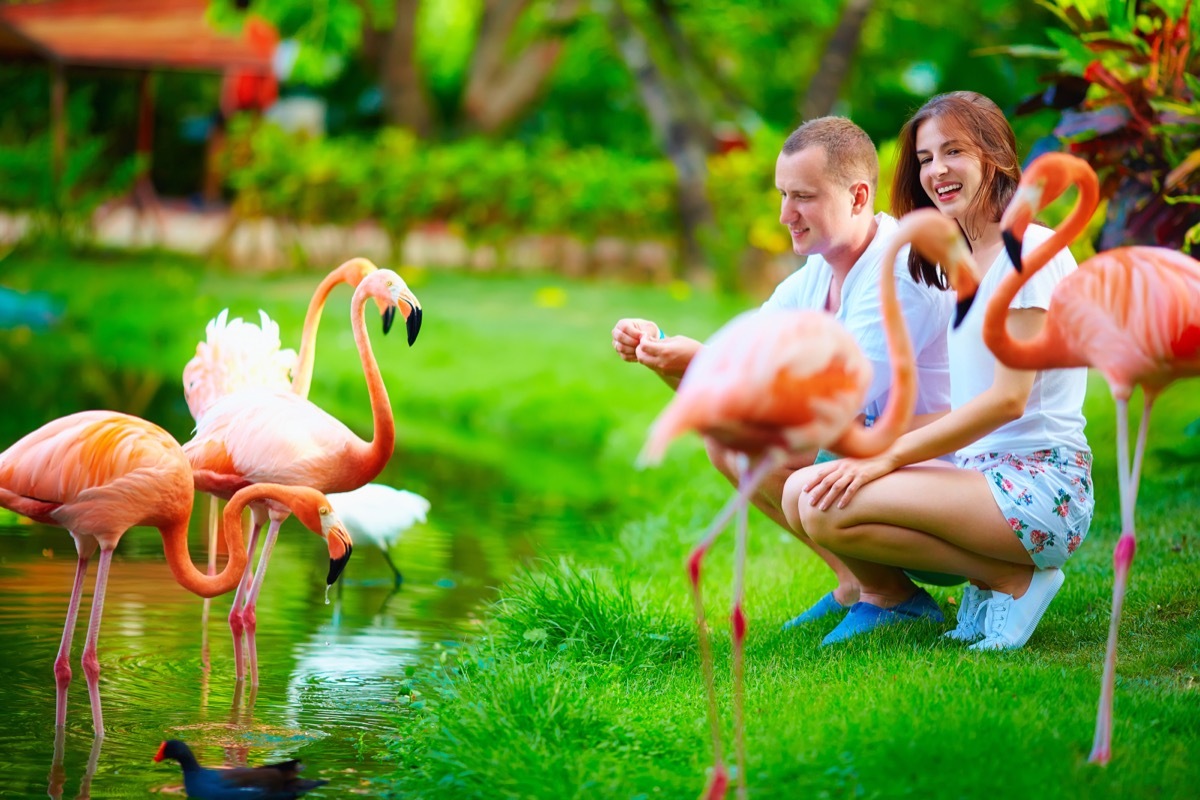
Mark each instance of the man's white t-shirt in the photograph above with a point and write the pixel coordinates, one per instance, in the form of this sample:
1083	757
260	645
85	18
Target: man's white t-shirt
927	310
1054	414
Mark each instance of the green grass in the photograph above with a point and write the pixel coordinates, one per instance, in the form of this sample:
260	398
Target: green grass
585	681
586	685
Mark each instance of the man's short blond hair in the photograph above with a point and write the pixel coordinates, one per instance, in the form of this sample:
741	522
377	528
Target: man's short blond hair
849	152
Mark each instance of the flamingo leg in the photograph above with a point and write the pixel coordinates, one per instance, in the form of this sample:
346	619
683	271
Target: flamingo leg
252	597
91	664
1140	449
212	534
236	623
1122	560
737	620
719	782
62	663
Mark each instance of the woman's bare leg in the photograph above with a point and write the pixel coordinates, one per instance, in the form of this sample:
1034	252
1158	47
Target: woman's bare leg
937	518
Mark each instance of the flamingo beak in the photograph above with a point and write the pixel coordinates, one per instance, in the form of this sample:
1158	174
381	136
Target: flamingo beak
389	316
336	565
1013	246
961	309
340	548
413	324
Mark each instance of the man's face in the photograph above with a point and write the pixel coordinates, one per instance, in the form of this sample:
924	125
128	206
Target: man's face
814	207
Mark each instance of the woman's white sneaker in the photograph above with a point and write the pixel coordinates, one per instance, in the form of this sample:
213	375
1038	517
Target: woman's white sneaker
1010	622
971	614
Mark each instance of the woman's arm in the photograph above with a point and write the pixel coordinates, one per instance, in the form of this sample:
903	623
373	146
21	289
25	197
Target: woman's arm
1003	402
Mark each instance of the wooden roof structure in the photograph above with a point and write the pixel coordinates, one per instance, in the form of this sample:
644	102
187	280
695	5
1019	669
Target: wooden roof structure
143	36
125	34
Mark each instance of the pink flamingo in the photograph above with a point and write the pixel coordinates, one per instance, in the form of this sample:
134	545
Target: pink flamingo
238	355
99	473
1133	313
264	436
774	383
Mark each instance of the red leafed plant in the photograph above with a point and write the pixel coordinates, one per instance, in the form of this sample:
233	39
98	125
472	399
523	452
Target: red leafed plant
1127	85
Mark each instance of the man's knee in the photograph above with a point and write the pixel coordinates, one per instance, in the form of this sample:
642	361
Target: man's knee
721	457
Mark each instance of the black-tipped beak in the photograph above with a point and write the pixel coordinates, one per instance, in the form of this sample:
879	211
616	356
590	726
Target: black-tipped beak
1013	246
960	311
389	316
414	325
336	565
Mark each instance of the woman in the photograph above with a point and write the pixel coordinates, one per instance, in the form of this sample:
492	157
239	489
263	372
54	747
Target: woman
1020	500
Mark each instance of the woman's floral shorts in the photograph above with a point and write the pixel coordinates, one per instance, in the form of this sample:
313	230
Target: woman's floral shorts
1046	496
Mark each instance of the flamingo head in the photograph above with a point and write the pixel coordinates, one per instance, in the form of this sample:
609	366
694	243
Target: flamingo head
1047	178
390	293
939	239
314	510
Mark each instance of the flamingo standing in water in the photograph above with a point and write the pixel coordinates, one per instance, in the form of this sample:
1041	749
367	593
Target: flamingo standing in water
238	355
99	473
265	436
791	381
1133	313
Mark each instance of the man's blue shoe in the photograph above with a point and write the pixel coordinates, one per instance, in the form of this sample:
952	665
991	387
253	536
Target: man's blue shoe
865	617
822	608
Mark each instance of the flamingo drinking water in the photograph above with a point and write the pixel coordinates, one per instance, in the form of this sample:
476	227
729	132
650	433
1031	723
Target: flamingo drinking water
99	473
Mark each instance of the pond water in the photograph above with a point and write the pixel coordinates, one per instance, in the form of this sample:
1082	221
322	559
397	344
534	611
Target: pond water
329	673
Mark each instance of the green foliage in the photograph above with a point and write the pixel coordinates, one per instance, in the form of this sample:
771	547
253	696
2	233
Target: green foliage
746	229
325	33
490	192
1129	96
63	212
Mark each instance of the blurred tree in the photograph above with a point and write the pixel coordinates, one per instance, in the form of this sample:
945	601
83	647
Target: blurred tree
822	93
514	46
682	126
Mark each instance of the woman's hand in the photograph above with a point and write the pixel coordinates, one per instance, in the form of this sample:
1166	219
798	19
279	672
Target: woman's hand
838	481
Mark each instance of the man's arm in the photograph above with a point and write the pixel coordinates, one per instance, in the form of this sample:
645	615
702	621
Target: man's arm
642	340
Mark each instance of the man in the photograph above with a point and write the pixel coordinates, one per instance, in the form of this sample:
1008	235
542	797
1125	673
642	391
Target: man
827	173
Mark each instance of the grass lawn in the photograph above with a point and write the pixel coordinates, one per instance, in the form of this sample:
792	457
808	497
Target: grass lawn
586	681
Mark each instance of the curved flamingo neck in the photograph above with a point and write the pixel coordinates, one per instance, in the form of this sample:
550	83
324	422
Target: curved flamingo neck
374	456
860	441
1044	350
175	547
346	273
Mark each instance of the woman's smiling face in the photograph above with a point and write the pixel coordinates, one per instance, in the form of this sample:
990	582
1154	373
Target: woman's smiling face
951	173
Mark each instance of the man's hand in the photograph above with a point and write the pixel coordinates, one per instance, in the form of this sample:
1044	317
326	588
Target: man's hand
627	335
668	357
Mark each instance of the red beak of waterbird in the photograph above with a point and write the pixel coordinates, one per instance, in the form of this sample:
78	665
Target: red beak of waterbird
269	782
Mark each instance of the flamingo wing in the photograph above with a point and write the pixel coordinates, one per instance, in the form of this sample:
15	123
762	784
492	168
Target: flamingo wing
261	436
236	355
796	370
1133	313
96	472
